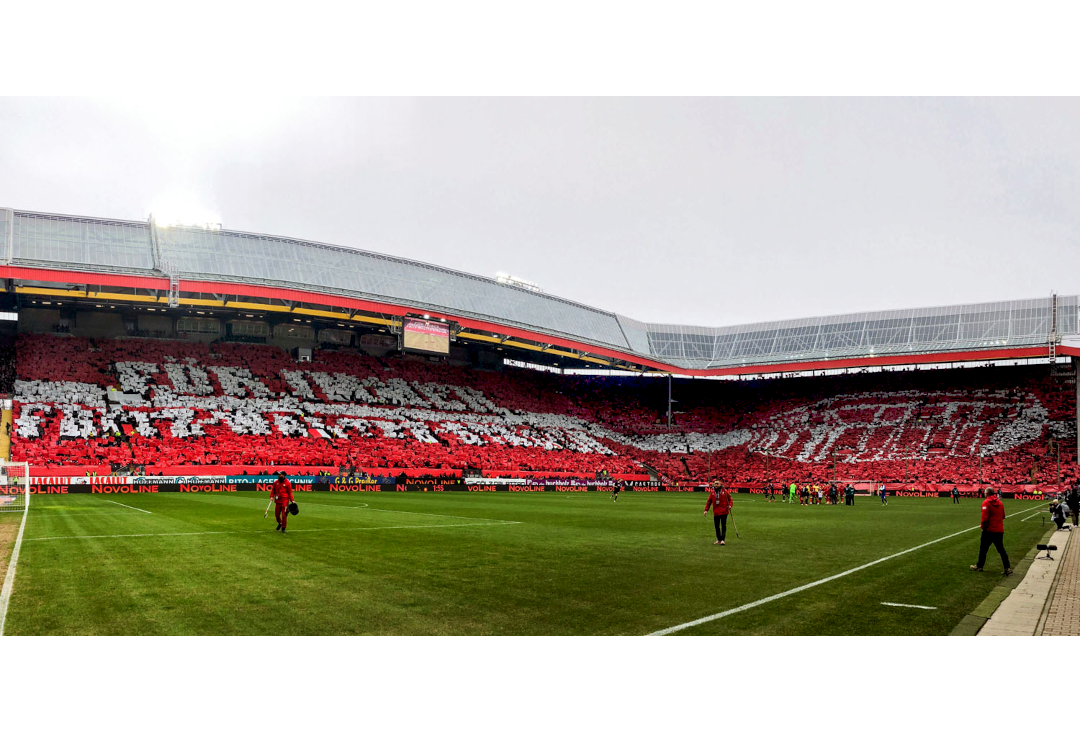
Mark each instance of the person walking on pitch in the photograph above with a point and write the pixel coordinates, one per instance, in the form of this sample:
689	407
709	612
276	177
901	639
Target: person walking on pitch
615	493
884	495
721	503
993	531
955	495
281	494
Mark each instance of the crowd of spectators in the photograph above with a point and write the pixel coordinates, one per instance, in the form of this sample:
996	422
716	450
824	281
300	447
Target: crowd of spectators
172	403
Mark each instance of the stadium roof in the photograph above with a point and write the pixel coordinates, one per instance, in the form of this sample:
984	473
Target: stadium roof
67	243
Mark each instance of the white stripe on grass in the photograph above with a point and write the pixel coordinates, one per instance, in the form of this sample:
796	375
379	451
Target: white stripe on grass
294	530
330	505
364	506
129	507
908	606
811	585
9	578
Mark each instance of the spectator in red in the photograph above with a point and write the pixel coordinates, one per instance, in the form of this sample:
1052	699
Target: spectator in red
720	500
993	531
281	494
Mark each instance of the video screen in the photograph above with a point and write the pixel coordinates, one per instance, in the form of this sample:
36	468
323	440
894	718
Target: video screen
426	336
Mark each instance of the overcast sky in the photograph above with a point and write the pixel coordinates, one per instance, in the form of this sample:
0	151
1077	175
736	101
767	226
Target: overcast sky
696	211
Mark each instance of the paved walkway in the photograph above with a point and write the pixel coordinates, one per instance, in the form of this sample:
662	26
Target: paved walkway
1062	616
1022	610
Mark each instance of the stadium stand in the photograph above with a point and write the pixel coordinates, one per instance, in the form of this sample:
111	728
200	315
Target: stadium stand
173	407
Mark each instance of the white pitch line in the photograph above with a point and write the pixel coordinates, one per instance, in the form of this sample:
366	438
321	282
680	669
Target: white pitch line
909	606
128	506
68	513
434	515
811	585
1036	515
295	530
326	504
9	579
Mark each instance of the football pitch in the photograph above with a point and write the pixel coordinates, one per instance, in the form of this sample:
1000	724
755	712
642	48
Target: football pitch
498	564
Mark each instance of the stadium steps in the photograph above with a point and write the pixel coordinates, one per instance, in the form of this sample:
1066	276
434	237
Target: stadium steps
686	467
5	441
653	474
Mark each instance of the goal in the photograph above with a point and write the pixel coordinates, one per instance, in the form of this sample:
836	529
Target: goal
14	487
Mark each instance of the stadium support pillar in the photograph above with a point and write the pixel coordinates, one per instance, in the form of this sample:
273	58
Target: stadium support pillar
670	401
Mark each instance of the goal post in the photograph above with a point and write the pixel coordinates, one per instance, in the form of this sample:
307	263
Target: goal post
14	487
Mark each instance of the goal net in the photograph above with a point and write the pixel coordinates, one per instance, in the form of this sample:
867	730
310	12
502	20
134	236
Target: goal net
14	487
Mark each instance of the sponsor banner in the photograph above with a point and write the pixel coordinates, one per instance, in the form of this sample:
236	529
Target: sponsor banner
430	481
363	481
494	480
269	479
558	482
178	480
107	480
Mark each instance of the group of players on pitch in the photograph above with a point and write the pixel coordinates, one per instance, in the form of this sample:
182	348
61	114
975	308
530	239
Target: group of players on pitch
813	494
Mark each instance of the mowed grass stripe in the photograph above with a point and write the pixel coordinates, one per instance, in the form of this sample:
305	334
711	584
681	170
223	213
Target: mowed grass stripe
576	564
811	585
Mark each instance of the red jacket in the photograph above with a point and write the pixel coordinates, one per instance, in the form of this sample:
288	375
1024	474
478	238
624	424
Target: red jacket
720	500
281	491
993	515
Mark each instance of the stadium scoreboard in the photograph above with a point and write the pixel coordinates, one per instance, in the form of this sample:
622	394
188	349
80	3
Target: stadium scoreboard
425	336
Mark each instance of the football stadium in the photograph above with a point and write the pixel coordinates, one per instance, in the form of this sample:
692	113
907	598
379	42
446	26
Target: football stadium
214	432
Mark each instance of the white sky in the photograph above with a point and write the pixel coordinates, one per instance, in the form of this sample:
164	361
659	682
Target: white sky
709	211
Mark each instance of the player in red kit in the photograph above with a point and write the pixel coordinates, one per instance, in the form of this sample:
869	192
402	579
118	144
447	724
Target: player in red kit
281	494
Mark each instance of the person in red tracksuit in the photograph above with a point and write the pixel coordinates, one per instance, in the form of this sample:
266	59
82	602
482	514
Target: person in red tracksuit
281	494
993	531
720	500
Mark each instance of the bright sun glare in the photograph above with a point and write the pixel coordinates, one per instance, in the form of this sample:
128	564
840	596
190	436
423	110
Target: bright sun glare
176	210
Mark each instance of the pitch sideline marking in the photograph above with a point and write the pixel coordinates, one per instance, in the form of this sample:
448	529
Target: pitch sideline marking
295	530
128	506
346	507
66	513
9	578
909	606
434	515
811	585
1036	515
364	506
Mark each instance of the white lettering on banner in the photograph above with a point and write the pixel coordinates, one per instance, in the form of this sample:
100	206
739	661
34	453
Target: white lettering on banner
854	427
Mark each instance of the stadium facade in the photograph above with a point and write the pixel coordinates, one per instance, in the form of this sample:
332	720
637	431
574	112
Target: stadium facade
105	260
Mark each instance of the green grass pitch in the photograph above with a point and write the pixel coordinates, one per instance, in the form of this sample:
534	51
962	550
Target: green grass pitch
495	563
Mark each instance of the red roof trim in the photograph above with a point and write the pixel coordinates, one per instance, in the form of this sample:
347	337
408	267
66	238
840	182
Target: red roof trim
253	290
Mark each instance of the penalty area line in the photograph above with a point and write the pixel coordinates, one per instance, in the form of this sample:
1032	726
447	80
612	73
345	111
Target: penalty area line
129	507
295	530
344	507
811	585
